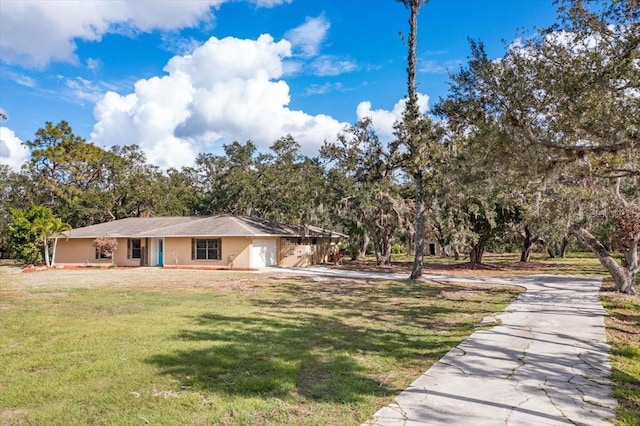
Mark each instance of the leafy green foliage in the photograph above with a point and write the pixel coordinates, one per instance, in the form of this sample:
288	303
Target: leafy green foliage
24	244
281	185
30	231
293	185
363	187
561	112
229	183
65	165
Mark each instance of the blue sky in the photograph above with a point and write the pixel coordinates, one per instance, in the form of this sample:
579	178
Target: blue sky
180	78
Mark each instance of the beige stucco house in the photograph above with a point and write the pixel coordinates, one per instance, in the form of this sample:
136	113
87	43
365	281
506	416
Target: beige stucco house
197	241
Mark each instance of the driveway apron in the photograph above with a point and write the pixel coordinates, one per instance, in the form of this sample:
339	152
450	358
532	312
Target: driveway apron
546	363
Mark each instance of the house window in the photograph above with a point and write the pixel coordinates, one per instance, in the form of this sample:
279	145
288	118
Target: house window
103	254
207	249
134	249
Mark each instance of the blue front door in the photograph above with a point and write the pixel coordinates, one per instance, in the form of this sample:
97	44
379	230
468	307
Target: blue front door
160	252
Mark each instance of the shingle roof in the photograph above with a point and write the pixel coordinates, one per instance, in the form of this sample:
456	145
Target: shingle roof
197	226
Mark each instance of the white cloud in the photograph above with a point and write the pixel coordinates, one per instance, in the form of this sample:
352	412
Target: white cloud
435	67
34	32
321	89
12	152
307	38
306	42
18	78
94	64
383	120
83	91
292	67
270	3
327	65
228	89
178	45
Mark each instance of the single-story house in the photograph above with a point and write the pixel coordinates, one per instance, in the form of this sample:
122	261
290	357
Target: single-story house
218	241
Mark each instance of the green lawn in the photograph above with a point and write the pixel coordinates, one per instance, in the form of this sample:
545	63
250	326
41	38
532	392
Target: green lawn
623	333
150	346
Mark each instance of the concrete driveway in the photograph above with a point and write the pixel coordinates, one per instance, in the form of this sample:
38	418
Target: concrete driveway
546	363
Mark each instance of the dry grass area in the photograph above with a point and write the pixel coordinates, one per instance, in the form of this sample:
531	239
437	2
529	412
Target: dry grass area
175	347
162	346
623	333
498	265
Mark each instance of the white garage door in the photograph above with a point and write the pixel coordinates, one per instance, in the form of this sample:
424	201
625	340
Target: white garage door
263	253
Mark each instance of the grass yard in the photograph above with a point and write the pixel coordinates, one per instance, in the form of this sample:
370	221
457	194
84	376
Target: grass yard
508	264
163	347
151	346
623	333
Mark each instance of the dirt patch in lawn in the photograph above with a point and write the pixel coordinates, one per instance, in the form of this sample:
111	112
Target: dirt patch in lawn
10	417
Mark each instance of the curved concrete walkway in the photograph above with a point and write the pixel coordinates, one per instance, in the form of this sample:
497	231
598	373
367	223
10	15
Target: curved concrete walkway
546	363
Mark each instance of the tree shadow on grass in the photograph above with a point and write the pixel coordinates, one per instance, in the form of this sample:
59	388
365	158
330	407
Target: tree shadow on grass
434	306
275	356
493	263
627	392
332	343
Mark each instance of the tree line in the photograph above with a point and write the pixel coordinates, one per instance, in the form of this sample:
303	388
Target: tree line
532	149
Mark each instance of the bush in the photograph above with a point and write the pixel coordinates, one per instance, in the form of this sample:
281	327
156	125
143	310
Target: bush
398	248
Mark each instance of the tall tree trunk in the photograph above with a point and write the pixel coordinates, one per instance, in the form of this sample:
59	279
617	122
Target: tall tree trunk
621	276
47	262
382	247
633	266
555	250
442	240
377	249
527	245
383	255
365	244
385	259
412	117
410	243
564	246
414	6
476	253
416	271
53	252
379	257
